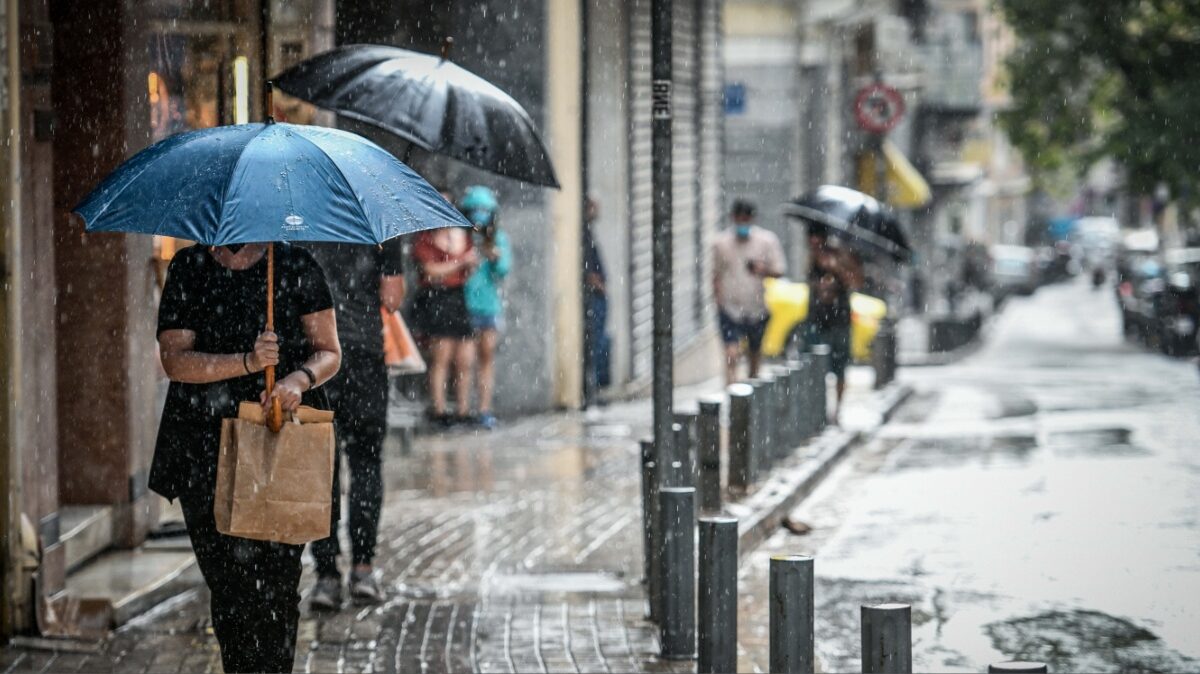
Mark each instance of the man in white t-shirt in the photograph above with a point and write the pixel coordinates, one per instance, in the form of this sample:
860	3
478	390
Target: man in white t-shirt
743	255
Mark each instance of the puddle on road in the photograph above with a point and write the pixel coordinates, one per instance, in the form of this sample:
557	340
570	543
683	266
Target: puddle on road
955	451
1018	448
1094	442
1085	641
571	582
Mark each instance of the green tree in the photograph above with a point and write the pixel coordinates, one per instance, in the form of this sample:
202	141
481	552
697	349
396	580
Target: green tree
1107	78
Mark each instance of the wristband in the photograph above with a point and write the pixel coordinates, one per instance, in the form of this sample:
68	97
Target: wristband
312	378
246	362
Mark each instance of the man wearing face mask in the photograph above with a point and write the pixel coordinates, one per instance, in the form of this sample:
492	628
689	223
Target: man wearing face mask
743	255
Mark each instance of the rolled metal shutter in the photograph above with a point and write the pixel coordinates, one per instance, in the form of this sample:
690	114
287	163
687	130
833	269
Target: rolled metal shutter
710	131
685	169
641	195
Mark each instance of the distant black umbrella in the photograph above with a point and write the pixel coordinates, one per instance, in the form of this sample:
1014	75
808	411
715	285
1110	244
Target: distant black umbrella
854	216
429	102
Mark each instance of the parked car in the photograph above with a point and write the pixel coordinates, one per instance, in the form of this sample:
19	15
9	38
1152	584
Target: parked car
1138	289
1178	306
1014	271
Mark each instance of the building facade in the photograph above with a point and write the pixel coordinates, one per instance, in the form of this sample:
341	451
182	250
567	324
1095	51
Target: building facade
86	85
793	72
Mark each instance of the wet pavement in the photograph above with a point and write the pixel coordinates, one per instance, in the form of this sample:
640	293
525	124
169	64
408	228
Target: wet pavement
518	550
1036	501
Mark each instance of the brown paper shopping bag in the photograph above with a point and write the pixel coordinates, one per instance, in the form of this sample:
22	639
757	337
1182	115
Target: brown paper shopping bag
275	486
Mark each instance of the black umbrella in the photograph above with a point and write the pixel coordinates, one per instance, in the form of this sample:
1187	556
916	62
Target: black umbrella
855	216
429	102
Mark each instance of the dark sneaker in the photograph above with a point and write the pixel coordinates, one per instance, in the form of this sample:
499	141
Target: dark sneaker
439	419
365	588
326	594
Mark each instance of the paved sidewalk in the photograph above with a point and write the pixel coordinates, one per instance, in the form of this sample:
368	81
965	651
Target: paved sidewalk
517	550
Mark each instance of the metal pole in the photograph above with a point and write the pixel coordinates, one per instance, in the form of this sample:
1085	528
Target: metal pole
1019	666
880	169
887	639
718	595
678	569
660	36
792	606
708	451
651	536
741	437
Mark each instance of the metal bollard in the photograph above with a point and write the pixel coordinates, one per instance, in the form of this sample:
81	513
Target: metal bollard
708	454
804	397
651	539
765	386
685	448
792	607
678	569
883	353
796	405
784	408
1019	666
759	428
783	442
886	639
821	356
718	595
741	437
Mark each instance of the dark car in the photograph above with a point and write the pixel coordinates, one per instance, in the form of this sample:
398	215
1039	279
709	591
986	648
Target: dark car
1140	283
1178	305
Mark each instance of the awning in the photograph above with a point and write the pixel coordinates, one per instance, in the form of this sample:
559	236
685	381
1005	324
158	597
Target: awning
906	188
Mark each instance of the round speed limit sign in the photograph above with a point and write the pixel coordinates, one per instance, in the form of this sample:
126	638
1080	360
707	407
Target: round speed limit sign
878	108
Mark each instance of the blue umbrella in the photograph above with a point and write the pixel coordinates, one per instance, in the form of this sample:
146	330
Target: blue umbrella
262	183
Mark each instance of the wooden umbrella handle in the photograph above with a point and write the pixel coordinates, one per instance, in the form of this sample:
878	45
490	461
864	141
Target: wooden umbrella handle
275	416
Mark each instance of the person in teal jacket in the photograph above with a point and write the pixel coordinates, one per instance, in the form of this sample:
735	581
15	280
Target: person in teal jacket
484	301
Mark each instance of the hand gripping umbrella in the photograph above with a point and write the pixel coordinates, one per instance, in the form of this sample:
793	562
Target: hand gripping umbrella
429	102
855	216
261	183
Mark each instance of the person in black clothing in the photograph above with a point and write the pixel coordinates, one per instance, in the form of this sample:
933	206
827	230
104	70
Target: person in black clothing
362	278
834	273
214	350
595	307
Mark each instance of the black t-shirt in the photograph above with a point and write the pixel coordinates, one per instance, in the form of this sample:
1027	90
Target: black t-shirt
353	272
227	310
828	315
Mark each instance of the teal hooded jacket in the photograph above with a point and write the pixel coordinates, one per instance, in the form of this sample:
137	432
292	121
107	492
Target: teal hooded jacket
483	287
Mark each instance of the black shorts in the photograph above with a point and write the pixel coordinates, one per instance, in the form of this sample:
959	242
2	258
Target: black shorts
733	331
442	312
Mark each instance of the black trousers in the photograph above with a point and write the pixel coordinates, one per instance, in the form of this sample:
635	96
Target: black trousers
255	604
358	396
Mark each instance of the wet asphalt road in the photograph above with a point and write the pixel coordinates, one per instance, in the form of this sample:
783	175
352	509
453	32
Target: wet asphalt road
1039	500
